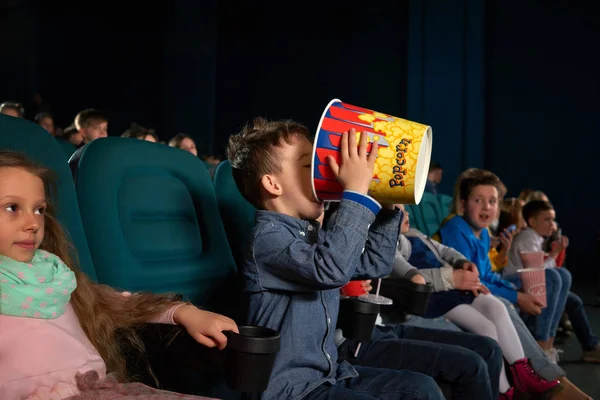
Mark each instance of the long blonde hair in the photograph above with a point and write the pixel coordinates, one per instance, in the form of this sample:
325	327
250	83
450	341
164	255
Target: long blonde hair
100	309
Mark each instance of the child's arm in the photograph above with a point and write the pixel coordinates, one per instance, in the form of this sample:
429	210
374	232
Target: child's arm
440	278
499	287
379	252
204	326
448	254
528	242
302	267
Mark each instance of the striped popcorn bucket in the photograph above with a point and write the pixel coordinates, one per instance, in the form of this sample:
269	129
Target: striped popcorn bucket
402	165
534	283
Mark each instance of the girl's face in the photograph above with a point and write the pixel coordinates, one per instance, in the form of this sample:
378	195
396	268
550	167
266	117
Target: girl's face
22	207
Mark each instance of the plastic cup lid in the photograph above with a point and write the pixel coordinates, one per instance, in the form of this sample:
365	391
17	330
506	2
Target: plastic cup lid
376	299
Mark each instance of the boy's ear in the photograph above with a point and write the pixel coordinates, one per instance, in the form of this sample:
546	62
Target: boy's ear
271	184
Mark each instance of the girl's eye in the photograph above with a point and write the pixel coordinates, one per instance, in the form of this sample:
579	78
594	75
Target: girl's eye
40	211
306	166
11	208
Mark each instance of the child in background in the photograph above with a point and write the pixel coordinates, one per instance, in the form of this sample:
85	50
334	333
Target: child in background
136	131
498	258
46	121
294	269
184	142
475	310
13	109
539	216
511	214
91	124
57	328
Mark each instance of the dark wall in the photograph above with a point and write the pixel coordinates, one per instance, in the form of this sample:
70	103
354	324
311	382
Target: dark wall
288	60
543	102
446	76
18	62
90	56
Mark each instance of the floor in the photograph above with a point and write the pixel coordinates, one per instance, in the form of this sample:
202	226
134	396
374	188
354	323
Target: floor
586	376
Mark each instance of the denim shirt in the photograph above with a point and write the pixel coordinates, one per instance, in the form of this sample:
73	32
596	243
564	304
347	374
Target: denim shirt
293	273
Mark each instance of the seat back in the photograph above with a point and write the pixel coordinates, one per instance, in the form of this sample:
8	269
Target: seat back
445	204
67	147
416	219
431	212
237	213
152	221
36	143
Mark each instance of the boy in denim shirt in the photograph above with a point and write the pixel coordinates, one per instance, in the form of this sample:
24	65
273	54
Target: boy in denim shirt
294	269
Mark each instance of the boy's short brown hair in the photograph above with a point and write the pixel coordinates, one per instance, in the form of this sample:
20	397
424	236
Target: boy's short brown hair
253	153
88	117
478	177
534	207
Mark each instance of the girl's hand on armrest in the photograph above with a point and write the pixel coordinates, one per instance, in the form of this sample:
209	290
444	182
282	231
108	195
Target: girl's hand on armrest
418	279
204	326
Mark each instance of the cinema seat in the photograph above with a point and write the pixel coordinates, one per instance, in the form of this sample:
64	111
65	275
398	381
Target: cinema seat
151	218
236	212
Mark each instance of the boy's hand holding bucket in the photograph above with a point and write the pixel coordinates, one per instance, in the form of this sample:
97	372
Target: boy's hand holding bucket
356	169
400	151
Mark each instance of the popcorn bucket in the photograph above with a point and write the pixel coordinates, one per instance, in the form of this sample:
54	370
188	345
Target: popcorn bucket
534	283
402	165
532	259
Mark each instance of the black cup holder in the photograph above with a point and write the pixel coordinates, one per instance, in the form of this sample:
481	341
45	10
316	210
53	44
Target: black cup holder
357	318
408	297
249	358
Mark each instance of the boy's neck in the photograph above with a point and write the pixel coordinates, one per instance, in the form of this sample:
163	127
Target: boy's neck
476	230
276	206
535	230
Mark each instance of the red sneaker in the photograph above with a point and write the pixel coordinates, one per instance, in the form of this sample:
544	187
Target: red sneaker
528	381
508	395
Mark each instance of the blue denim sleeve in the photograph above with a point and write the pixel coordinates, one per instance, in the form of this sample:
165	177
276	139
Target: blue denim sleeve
377	260
284	261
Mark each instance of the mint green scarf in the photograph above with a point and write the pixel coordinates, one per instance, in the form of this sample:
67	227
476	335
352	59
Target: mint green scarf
39	289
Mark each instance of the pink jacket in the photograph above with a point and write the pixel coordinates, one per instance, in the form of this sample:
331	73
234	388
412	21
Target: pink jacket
44	355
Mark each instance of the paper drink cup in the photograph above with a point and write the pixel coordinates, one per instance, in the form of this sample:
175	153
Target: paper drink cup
353	288
532	259
402	165
534	283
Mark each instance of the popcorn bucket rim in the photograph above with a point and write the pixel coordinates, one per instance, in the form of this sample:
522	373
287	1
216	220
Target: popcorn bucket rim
425	147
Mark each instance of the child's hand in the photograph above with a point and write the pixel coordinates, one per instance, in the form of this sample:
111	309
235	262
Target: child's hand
356	170
366	284
506	239
529	304
418	279
483	289
558	246
494	241
471	267
204	326
465	279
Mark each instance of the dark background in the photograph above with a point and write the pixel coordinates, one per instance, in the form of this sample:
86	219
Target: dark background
512	86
